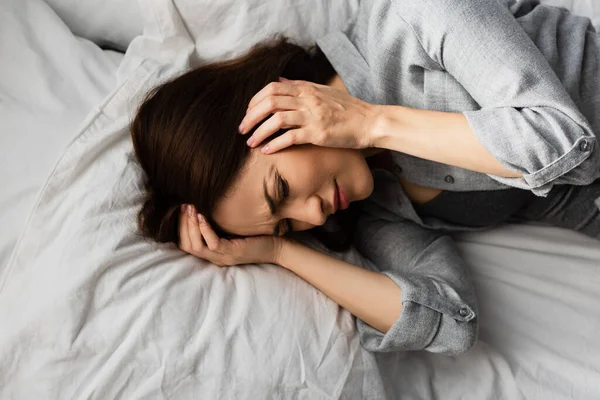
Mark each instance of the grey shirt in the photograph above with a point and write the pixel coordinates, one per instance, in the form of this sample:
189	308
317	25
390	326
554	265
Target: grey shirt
527	79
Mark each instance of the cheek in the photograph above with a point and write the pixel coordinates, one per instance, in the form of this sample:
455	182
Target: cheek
308	177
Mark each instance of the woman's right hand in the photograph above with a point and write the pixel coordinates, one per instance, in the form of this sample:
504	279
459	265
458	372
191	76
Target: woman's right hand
317	114
198	238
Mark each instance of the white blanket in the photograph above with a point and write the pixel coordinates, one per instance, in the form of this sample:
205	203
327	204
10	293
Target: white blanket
89	310
50	80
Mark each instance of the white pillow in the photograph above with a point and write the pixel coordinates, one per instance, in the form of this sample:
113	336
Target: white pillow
49	81
226	28
222	25
97	312
108	23
221	28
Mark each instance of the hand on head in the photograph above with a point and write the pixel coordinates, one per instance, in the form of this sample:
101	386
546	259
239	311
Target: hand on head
312	113
198	238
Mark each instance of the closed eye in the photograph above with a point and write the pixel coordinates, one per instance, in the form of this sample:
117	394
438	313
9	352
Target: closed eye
283	192
283	188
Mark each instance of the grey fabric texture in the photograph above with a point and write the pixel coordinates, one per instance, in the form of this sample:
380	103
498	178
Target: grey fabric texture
439	306
567	206
527	78
477	208
529	86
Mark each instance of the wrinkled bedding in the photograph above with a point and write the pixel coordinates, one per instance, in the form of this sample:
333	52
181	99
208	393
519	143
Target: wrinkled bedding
90	310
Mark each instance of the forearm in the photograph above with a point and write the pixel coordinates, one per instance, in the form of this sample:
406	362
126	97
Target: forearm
371	296
438	136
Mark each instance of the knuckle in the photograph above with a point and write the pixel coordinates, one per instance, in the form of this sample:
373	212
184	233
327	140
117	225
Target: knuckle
322	136
271	102
280	118
271	87
293	137
321	115
311	90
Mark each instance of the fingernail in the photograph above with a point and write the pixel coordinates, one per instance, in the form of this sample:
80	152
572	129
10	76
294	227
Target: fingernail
241	128
281	78
182	208
200	218
190	210
250	141
265	149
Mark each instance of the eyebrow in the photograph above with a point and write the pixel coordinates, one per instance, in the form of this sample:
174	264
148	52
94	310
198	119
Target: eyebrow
269	200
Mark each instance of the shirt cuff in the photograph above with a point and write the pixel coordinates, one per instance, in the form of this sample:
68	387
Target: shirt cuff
433	318
542	163
582	172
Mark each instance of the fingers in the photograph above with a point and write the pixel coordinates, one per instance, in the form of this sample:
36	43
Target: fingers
197	243
280	120
184	236
196	235
290	138
266	107
212	240
274	89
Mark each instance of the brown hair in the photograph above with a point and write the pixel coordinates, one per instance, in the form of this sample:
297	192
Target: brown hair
185	131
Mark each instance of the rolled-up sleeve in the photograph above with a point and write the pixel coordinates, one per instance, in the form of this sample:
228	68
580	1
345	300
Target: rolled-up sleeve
439	308
527	120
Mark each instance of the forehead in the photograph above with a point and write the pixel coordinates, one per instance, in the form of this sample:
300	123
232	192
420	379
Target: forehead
243	210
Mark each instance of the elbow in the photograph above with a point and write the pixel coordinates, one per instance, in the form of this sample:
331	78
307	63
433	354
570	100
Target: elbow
579	166
455	337
465	338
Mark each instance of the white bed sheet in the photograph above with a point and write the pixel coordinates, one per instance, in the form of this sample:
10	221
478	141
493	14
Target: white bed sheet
95	312
50	80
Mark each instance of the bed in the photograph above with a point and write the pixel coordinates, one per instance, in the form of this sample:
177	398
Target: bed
89	310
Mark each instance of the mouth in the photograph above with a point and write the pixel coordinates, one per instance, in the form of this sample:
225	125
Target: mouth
336	198
341	198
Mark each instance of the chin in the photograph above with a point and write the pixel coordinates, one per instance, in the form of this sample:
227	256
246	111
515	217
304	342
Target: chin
363	180
364	188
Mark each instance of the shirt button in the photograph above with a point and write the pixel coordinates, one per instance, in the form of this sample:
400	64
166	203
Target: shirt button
464	312
449	179
584	145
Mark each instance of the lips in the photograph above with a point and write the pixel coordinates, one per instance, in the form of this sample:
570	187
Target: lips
336	198
343	202
340	198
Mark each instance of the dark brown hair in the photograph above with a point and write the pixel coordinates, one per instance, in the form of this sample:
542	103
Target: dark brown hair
185	132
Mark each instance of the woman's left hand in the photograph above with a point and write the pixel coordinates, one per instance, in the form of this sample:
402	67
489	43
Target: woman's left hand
313	113
198	238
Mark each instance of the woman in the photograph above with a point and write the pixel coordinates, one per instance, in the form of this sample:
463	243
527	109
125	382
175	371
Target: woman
484	127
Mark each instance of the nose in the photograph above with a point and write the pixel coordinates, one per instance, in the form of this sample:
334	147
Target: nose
310	211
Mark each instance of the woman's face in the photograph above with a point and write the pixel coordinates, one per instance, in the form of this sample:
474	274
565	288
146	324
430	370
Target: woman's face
305	175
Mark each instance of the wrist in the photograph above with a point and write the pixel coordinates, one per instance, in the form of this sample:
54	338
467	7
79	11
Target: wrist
380	127
280	244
